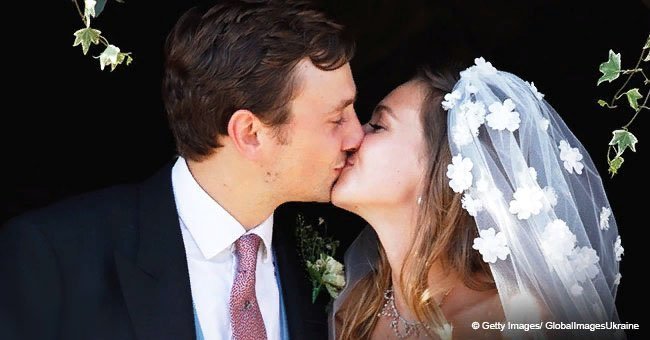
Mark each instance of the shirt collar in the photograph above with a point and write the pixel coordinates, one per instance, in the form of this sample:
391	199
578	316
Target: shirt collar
211	226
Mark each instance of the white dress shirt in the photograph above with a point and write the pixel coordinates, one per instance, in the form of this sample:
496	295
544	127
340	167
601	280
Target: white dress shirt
209	233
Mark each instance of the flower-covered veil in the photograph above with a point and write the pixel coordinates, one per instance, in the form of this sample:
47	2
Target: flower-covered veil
545	224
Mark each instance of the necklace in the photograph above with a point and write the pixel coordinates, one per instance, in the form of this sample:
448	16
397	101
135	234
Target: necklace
407	328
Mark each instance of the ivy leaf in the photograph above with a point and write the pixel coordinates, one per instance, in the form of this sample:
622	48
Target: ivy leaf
615	165
623	139
99	7
647	43
109	57
121	57
85	37
611	68
89	11
602	103
633	97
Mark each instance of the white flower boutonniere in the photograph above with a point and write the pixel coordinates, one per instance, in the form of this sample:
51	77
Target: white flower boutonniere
318	252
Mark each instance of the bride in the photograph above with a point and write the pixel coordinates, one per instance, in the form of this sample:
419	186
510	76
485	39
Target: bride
488	218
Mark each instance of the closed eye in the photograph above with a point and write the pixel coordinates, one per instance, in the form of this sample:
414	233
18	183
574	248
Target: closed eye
376	127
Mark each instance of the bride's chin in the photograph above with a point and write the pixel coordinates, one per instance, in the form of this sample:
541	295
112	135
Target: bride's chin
341	194
338	198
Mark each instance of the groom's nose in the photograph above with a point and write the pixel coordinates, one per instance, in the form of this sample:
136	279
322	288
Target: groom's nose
353	136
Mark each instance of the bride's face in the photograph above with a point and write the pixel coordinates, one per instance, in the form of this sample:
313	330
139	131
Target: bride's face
388	166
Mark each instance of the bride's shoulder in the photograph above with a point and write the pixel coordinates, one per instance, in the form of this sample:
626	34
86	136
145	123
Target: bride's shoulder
475	306
480	306
471	306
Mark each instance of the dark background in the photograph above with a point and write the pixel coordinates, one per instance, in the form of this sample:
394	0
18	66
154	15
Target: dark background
69	128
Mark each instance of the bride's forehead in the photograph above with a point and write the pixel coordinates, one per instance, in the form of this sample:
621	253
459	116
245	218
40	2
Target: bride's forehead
406	97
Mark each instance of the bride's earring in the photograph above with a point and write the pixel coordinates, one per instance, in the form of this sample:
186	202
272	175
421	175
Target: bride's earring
419	200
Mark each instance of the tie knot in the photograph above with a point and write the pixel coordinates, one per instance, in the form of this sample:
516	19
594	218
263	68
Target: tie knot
247	245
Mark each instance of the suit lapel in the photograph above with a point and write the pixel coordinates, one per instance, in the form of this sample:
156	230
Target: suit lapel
155	279
305	320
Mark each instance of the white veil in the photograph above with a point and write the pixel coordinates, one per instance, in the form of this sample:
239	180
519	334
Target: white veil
545	224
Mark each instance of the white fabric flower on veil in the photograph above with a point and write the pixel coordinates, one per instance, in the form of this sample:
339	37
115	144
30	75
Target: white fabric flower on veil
450	100
576	289
618	248
557	242
480	68
605	214
571	157
491	245
471	116
527	201
460	173
617	279
584	262
484	67
544	123
472	205
461	134
533	88
503	116
474	115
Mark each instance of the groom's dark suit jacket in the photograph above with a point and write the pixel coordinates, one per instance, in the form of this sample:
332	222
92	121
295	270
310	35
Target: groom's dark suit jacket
111	265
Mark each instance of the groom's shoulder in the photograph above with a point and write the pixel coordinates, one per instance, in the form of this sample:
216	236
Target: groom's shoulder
105	208
89	211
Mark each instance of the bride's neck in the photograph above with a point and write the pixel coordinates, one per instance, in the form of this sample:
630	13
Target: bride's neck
395	226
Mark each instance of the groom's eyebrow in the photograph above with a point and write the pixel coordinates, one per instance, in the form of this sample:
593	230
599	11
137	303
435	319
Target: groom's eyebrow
345	103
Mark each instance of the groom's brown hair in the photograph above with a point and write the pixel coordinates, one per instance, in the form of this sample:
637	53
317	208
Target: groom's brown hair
242	55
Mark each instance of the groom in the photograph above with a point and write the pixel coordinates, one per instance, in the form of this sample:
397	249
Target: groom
259	97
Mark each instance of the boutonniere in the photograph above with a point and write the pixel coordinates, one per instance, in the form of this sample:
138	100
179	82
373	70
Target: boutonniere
317	252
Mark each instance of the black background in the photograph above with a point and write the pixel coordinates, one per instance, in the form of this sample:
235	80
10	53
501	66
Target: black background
69	128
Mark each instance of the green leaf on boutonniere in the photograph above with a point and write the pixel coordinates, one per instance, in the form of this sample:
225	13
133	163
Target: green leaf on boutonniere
328	272
333	277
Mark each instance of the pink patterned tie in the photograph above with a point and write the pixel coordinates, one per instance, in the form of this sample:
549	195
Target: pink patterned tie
245	316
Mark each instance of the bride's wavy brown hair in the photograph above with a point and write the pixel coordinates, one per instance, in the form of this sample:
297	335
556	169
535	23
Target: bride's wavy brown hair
445	233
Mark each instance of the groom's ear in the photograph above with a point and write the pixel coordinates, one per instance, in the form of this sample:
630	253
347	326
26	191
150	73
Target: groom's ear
244	129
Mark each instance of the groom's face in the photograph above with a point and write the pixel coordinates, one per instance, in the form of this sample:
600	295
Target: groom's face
323	128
